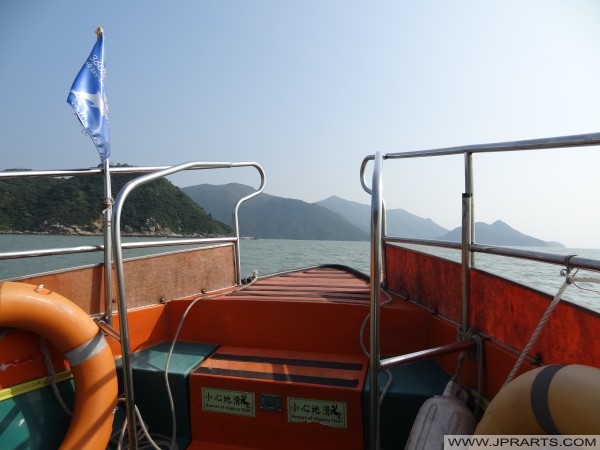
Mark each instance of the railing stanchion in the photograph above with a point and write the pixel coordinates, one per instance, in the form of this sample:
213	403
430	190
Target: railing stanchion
122	297
467	239
376	258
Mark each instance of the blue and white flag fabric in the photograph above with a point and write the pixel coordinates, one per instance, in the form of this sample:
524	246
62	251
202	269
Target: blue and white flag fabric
88	99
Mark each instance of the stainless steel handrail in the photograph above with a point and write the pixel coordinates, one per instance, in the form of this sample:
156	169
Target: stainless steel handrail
565	142
575	262
50	252
99	248
14	174
150	173
578	140
77	172
468	246
236	227
122	297
375	288
441	350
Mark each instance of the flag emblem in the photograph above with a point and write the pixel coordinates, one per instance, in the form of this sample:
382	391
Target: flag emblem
88	98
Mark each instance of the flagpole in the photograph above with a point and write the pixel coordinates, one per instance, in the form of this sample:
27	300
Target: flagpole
88	99
124	327
107	212
108	250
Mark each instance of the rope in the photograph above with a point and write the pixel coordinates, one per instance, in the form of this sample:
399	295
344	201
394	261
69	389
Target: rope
479	343
108	203
459	363
568	281
390	377
170	442
249	282
117	440
470	334
52	377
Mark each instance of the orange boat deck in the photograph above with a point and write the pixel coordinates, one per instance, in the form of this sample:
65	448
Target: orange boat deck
291	342
283	375
289	369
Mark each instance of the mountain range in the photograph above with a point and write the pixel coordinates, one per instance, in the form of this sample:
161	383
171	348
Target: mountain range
271	217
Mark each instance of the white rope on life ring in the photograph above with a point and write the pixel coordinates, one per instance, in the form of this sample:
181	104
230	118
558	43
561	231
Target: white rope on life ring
75	334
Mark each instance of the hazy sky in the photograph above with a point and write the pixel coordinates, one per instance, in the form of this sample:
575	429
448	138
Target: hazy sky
308	88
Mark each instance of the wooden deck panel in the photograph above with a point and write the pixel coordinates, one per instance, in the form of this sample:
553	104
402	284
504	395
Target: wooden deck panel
321	284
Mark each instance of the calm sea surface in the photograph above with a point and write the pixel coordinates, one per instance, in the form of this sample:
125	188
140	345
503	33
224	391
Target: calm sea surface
271	255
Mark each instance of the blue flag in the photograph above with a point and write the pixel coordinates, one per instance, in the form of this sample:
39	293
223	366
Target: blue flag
88	99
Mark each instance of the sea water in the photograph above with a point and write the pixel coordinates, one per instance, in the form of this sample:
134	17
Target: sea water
268	256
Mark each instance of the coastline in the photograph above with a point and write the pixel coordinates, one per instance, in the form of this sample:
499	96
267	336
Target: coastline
79	232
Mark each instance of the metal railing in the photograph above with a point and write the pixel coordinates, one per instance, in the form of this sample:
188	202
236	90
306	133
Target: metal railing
107	247
114	244
122	297
467	245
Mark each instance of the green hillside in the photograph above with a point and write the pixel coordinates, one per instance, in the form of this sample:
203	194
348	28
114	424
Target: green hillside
74	204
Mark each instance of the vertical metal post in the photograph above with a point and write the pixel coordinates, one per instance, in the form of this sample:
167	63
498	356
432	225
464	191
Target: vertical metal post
376	258
122	298
381	239
107	212
125	347
236	246
123	325
468	236
236	226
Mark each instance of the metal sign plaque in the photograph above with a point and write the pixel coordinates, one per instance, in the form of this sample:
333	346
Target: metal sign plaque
325	412
228	402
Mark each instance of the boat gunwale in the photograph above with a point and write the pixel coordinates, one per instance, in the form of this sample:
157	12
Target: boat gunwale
101	264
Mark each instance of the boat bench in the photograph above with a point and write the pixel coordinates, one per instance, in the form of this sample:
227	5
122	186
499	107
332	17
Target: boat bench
274	399
412	384
238	397
34	409
148	367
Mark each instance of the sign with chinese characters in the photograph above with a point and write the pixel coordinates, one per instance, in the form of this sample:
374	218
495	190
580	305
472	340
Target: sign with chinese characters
325	412
228	402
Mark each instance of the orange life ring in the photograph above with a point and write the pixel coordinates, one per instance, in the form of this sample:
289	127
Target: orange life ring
548	400
76	335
